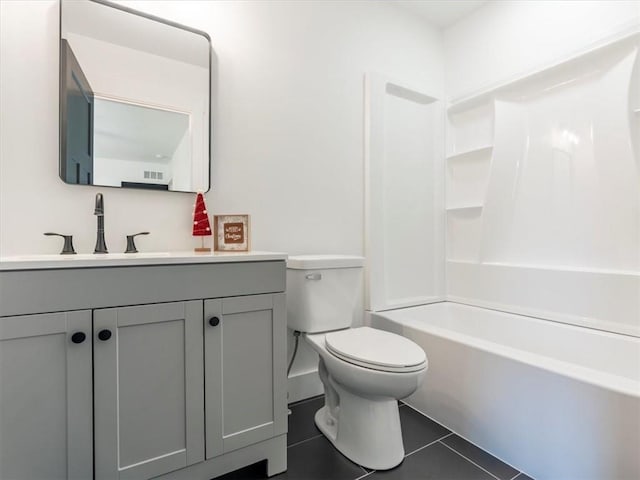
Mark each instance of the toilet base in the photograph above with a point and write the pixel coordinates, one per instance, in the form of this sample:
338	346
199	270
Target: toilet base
366	431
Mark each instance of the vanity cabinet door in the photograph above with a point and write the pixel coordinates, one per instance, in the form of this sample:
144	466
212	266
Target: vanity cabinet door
46	396
148	389
245	371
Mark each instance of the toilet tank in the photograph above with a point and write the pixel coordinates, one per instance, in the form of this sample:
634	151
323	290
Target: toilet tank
324	292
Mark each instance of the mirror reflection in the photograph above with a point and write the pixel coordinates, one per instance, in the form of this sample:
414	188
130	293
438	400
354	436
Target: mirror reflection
134	100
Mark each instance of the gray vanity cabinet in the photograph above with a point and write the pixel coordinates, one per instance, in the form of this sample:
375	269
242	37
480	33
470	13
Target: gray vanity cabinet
148	389
46	396
244	360
171	371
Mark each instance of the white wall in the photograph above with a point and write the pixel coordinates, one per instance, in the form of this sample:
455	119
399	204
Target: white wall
288	143
504	39
32	197
288	125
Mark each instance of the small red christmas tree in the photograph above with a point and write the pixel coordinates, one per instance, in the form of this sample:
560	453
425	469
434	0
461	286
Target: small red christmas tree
201	227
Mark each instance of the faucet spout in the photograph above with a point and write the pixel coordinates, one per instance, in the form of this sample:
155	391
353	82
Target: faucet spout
99	209
101	246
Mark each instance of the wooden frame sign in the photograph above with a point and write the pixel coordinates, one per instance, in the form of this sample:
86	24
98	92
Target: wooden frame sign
231	233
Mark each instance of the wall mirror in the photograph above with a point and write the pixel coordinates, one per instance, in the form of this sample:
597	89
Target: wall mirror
134	99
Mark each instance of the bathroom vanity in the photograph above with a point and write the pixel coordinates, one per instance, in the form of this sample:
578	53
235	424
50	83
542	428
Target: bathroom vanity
142	366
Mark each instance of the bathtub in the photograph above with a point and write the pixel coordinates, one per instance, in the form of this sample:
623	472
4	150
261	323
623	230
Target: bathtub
556	401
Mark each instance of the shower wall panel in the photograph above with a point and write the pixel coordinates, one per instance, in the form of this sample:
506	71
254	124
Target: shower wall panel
544	218
404	198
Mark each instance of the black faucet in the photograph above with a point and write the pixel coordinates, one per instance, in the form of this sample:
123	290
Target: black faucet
101	246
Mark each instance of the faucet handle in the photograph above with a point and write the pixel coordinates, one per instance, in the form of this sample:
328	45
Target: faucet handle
131	246
67	249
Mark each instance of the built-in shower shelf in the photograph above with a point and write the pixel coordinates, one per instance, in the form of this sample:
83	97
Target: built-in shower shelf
464	208
637	111
467	176
469	153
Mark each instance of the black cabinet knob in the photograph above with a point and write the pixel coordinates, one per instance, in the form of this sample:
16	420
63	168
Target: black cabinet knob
104	335
78	337
214	321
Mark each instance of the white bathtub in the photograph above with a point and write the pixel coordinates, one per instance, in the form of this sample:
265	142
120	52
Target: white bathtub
556	401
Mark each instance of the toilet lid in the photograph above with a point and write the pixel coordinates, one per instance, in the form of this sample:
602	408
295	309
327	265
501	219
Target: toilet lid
376	349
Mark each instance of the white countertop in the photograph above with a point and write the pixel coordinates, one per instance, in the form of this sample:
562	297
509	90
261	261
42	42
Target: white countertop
45	262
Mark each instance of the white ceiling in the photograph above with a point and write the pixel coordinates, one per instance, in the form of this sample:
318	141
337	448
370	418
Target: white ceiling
133	132
442	13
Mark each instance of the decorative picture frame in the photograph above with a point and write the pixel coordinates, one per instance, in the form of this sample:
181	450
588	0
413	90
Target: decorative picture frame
231	233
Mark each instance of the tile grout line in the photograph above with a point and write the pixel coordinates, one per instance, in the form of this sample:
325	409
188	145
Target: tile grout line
428	444
416	450
365	475
471	461
304	441
466	439
438	440
427	416
302	402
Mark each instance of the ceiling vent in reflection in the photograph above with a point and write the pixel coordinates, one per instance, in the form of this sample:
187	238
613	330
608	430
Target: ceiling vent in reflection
153	175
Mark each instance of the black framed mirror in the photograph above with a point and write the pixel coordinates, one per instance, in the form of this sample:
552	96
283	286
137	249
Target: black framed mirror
135	99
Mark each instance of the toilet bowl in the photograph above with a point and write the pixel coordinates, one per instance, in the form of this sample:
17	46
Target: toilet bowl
360	416
364	371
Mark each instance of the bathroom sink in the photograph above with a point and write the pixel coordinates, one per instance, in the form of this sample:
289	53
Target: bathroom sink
82	257
40	262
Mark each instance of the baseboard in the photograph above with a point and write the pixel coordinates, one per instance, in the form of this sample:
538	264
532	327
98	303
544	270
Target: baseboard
304	385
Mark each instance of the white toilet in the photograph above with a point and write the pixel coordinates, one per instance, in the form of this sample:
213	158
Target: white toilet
364	370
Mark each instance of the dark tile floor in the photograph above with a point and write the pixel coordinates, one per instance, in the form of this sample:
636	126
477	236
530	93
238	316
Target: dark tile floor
432	452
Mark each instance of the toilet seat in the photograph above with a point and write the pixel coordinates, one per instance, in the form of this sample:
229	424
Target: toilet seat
376	349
